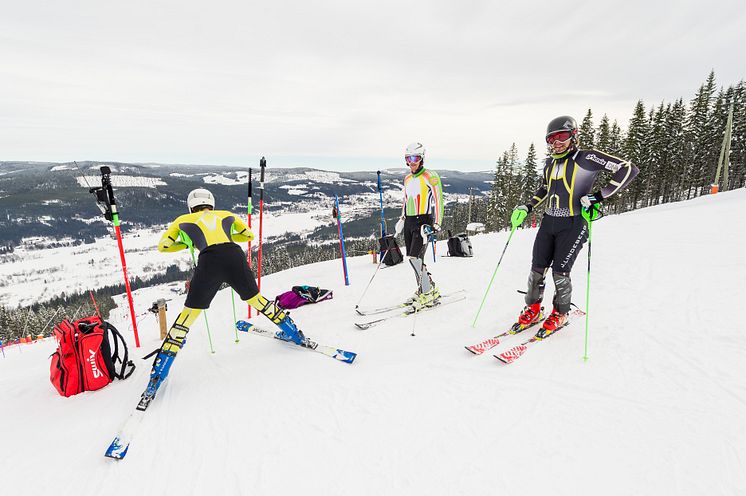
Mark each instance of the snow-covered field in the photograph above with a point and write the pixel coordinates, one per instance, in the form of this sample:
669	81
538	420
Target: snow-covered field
658	408
31	275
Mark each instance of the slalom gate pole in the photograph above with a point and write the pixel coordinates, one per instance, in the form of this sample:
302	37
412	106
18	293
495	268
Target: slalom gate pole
474	322
380	197
2	348
185	239
105	197
95	305
342	251
589	216
248	254
262	166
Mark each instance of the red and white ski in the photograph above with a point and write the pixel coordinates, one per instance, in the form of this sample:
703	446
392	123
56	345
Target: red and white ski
517	351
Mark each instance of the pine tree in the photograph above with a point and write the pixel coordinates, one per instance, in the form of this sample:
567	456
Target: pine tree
702	141
635	150
587	134
603	136
530	175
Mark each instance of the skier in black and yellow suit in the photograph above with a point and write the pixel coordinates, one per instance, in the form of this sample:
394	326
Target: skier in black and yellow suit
213	233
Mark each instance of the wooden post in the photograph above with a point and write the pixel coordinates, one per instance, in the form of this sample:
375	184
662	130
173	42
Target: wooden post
161	303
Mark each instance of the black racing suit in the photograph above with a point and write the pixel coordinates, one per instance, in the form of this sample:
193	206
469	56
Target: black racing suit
563	231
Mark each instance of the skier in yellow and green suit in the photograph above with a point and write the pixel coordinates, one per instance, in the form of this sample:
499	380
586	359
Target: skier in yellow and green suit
214	233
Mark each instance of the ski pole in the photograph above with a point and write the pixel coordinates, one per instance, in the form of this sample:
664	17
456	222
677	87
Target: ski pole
474	322
235	319
589	216
185	239
371	279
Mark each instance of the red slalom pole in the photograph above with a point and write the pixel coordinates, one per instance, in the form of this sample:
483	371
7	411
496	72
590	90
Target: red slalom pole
248	254
262	166
105	197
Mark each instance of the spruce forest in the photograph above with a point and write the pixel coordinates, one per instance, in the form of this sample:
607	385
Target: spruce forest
676	146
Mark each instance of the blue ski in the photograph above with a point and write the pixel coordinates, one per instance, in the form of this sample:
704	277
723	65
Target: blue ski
336	353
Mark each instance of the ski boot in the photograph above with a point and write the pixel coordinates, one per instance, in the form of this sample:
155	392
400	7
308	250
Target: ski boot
428	299
158	374
412	299
290	332
552	324
531	315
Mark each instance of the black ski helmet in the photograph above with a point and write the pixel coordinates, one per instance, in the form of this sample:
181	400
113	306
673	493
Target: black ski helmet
563	123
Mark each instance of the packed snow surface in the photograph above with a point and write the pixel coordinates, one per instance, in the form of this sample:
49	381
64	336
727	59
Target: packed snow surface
657	409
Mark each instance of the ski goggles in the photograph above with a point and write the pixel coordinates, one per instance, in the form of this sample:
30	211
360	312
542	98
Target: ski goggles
559	136
413	159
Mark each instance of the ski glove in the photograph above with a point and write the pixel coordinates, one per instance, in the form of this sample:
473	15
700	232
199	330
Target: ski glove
428	234
436	227
519	215
591	199
399	226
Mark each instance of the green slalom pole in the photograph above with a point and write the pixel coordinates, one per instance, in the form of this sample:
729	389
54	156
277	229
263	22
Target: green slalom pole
474	322
185	239
589	216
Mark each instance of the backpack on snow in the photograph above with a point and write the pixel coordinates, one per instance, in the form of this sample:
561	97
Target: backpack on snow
459	245
84	360
391	252
300	295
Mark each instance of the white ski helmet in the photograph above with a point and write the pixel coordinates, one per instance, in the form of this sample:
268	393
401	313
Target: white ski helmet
415	149
199	197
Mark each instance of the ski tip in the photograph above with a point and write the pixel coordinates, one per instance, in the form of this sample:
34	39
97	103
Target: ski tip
362	326
470	350
243	326
348	356
116	450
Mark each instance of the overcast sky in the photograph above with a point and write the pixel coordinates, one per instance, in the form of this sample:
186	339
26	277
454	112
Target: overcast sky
340	84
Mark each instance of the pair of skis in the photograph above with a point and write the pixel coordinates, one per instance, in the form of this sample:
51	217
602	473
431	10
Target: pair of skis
119	446
406	309
511	355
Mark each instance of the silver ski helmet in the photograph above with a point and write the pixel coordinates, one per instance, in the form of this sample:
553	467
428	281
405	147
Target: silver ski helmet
200	197
415	153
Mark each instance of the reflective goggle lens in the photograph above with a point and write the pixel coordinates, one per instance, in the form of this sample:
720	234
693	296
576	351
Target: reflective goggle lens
412	159
559	136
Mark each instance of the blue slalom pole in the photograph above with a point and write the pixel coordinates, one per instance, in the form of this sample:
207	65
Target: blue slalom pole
2	348
380	196
342	250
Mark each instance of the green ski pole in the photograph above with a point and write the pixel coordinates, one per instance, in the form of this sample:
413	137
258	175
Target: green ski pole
474	322
589	216
185	239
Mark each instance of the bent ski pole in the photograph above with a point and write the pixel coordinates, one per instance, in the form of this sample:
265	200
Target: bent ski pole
474	322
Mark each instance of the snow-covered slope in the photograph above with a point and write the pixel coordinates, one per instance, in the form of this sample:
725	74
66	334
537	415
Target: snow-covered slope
658	408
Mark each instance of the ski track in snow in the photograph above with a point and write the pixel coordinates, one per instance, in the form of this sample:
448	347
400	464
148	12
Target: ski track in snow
657	409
